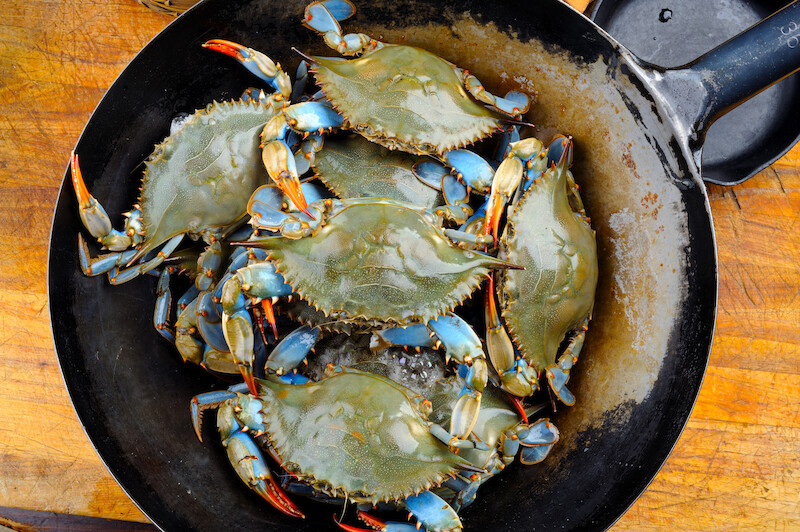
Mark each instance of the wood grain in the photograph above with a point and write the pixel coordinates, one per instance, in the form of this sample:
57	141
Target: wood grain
57	58
735	467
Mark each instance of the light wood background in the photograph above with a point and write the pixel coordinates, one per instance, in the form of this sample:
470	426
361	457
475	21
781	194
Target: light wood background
735	467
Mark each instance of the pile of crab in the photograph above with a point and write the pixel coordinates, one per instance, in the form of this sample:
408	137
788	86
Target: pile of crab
331	231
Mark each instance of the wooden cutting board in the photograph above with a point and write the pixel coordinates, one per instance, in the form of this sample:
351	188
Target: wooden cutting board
736	465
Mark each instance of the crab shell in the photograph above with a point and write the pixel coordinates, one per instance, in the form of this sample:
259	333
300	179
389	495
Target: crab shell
555	244
199	179
377	261
352	434
405	98
353	167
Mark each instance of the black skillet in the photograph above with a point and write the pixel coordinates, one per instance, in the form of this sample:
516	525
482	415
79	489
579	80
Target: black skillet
670	33
637	154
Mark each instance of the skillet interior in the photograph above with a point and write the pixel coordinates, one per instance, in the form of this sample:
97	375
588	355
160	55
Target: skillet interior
647	345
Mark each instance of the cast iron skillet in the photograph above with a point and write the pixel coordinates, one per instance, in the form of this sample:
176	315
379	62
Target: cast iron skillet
748	139
637	156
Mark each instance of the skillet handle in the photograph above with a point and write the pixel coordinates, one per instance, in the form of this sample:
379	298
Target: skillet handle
731	73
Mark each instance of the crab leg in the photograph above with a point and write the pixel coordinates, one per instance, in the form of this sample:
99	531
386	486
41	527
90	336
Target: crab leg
510	135
462	344
125	275
470	233
243	453
507	178
163	302
558	373
456	194
292	350
96	220
323	18
105	263
516	376
300	80
514	104
416	335
260	281
433	514
258	64
469	167
537	440
189	347
378	524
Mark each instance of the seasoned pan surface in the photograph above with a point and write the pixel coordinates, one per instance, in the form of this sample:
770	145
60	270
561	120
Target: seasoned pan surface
648	342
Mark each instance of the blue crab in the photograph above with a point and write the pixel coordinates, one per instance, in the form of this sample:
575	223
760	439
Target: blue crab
550	301
401	97
373	92
215	179
197	181
373	262
338	435
501	432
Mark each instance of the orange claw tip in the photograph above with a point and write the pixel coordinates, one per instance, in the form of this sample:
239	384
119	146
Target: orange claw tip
247	375
266	304
77	180
519	406
350	528
371	520
273	494
295	193
228	48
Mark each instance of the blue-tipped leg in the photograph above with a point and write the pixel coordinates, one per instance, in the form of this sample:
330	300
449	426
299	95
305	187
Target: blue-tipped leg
433	512
470	167
313	116
292	350
256	63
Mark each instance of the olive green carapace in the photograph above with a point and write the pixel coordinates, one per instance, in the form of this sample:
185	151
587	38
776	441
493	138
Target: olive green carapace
405	98
353	167
199	179
355	434
376	260
554	294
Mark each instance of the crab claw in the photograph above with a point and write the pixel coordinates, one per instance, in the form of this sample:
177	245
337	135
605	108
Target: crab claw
251	467
351	528
371	520
205	401
560	148
519	406
249	378
269	314
506	180
257	63
280	164
92	214
377	524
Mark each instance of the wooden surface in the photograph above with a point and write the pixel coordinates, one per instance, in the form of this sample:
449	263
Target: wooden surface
735	467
